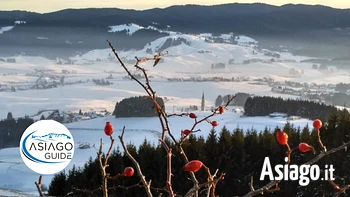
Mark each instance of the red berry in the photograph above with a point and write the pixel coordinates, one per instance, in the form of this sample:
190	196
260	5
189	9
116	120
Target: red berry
221	109
282	137
193	115
129	171
304	147
109	129
214	123
193	166
317	124
186	131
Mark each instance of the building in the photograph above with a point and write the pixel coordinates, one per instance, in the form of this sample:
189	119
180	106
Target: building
278	114
203	102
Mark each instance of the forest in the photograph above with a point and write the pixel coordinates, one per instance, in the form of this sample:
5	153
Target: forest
265	105
11	130
239	153
141	106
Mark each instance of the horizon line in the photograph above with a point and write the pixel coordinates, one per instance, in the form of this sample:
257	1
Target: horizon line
166	7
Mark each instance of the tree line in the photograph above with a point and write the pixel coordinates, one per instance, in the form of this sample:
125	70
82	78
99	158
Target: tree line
11	130
264	105
240	99
340	98
141	106
239	153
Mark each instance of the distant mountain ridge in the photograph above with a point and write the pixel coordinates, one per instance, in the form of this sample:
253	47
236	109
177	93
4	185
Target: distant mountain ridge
241	18
289	25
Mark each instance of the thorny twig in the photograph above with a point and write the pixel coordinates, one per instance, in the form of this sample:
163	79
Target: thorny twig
169	173
269	187
161	114
147	185
214	181
38	185
152	94
104	165
139	184
340	190
320	140
211	182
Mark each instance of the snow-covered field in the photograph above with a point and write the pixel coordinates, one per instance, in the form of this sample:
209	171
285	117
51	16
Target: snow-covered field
137	129
184	61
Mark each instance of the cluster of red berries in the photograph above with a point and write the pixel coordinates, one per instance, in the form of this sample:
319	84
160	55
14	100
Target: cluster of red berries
195	165
282	137
214	123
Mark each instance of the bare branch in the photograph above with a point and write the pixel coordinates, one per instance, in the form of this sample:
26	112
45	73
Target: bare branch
181	115
215	112
38	185
342	191
162	116
169	171
139	184
271	184
147	185
320	141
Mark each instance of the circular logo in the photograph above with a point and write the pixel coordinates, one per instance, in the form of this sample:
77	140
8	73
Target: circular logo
47	147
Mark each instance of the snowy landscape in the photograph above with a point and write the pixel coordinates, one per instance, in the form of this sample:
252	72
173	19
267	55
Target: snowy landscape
30	85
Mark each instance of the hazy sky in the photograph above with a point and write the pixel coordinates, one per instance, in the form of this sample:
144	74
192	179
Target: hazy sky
54	5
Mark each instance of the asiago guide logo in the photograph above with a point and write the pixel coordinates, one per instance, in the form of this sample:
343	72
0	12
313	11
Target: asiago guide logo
47	147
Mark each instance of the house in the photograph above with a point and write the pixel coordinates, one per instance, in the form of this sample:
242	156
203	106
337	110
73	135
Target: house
294	118
278	114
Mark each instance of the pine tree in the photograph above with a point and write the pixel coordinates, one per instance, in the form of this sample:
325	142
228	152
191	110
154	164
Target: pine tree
58	185
224	148
9	116
211	149
305	134
218	101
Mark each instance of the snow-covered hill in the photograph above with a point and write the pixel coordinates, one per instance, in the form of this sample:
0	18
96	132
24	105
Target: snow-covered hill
189	56
4	29
9	28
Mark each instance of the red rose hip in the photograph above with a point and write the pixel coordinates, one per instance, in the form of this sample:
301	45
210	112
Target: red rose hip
129	171
192	115
317	124
221	110
304	147
282	137
193	166
186	131
109	129
214	123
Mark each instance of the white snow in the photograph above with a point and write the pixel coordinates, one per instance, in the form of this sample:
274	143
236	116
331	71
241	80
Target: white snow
130	28
5	29
191	60
20	22
206	34
42	38
183	61
245	40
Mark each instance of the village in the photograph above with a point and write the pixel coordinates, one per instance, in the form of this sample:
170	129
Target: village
68	117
